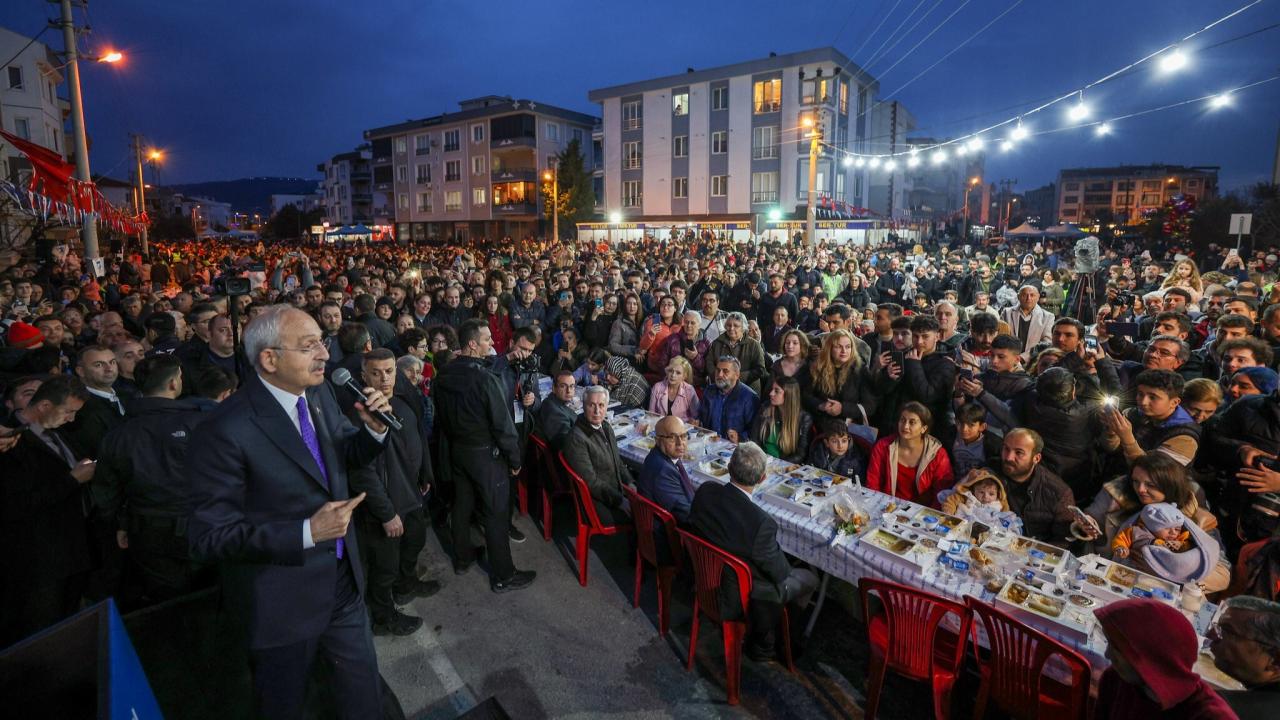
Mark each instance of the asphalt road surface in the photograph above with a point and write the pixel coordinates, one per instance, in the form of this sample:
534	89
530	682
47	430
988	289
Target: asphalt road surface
554	650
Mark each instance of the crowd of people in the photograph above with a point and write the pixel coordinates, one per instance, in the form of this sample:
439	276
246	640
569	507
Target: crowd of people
1130	409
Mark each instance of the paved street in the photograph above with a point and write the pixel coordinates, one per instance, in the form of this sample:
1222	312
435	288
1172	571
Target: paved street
556	650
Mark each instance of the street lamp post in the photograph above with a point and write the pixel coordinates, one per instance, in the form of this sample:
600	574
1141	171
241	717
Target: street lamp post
553	176
89	230
814	124
972	183
142	192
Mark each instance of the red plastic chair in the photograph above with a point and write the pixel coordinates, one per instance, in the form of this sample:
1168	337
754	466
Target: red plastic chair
709	563
644	513
589	524
552	485
1013	669
906	639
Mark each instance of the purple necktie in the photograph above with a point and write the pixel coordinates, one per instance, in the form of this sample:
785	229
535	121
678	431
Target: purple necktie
684	479
313	444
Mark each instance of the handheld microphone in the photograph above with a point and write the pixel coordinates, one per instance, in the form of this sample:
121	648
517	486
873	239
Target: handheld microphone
342	378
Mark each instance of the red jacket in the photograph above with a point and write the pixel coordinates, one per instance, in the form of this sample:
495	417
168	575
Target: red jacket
500	326
1162	647
933	472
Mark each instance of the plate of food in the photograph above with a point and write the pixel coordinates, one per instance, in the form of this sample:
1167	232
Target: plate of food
892	543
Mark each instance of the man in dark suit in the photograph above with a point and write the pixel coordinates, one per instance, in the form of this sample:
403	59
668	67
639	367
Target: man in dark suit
726	516
270	503
663	477
42	529
103	411
556	416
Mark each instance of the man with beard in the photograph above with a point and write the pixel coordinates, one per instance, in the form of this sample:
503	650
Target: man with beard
1035	494
329	317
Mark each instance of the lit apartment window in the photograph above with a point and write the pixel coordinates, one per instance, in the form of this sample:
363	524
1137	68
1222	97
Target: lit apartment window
402	173
764	187
814	91
1151	198
680	146
424	202
477	165
477	133
402	146
631	194
680	103
423	173
719	142
453	201
631	115
402	201
631	155
764	142
553	132
422	145
478	196
15	77
844	98
680	187
840	186
451	141
767	95
453	171
719	185
720	98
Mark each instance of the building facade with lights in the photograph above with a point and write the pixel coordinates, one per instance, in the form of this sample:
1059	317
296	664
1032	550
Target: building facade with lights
1120	195
475	172
347	188
720	147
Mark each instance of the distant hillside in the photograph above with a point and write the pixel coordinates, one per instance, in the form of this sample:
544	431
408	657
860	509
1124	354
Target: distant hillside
248	195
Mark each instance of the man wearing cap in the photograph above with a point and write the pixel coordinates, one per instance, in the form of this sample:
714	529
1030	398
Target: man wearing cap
24	336
162	335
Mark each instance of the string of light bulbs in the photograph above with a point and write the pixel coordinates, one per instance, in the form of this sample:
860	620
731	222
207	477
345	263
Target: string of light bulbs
938	155
1170	59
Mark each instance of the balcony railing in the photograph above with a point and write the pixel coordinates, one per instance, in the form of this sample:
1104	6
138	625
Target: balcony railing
764	197
515	208
513	174
522	141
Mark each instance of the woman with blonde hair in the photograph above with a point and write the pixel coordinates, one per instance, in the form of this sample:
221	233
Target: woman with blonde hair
1185	275
837	383
781	427
676	395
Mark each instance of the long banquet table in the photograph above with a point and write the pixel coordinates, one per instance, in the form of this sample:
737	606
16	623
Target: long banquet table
814	540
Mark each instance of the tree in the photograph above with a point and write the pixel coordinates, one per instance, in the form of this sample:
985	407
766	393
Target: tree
290	223
577	197
172	227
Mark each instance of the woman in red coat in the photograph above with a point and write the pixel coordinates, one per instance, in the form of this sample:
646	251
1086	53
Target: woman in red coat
499	324
912	464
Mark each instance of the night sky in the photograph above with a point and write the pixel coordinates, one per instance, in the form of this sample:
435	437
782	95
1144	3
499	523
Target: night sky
238	88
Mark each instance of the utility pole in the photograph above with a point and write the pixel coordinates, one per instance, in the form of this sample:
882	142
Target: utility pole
893	148
553	174
141	196
89	230
1005	209
815	150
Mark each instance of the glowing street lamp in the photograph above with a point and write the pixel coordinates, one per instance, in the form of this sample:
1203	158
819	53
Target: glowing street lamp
1173	61
112	57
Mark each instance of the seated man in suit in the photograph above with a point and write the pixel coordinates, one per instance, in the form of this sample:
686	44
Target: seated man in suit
663	477
726	516
592	451
556	416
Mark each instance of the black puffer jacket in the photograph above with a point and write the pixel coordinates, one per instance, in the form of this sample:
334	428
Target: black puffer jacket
1252	420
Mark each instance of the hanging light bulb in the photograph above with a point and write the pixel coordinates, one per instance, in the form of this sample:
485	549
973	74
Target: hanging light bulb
848	161
1079	111
975	144
939	157
1219	101
889	165
860	162
1102	129
875	163
1006	146
1173	61
962	149
1019	132
913	160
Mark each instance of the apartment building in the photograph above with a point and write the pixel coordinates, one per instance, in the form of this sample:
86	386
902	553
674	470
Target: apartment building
347	188
475	172
719	147
29	103
1121	194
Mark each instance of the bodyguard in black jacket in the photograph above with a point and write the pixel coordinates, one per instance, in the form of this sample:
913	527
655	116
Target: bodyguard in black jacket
142	482
391	522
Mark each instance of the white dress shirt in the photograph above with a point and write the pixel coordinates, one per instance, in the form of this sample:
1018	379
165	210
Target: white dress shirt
289	403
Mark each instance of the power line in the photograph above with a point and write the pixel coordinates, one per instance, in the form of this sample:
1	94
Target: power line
877	55
1078	91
